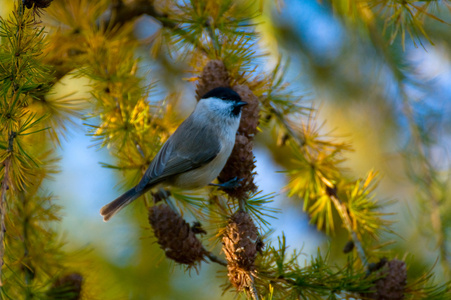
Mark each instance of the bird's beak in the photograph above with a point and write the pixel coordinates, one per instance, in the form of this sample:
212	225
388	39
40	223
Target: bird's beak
240	103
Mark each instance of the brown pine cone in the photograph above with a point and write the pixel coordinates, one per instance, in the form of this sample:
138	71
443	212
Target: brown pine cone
392	282
213	75
175	236
250	113
67	287
240	245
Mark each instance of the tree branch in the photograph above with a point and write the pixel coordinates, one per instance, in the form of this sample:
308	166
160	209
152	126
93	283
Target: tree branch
215	259
297	138
122	13
341	208
253	289
4	187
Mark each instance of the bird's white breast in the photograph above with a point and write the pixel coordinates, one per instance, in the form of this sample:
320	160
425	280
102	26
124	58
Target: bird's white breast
204	175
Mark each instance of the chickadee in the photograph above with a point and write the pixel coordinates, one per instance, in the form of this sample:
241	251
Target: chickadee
195	153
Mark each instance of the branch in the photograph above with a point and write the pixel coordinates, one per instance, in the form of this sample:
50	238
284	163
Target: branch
253	289
298	139
4	187
27	266
215	259
6	164
341	208
122	13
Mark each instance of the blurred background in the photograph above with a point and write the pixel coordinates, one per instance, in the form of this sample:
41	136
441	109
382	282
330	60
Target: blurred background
337	67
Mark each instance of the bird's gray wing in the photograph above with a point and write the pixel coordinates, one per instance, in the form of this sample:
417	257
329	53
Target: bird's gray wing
187	149
156	167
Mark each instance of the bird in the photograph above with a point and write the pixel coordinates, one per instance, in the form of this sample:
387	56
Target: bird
195	154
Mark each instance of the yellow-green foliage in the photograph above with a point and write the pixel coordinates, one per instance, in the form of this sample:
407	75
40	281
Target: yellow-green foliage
30	250
127	115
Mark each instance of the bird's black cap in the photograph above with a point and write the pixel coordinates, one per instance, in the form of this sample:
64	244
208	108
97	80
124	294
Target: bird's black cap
223	93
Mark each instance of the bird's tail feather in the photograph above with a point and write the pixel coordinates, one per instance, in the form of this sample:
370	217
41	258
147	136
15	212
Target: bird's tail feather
120	202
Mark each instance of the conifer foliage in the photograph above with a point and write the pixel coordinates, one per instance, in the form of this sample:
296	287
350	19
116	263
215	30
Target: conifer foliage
204	44
30	251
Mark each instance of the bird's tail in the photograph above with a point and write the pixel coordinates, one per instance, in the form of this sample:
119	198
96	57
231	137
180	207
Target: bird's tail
120	202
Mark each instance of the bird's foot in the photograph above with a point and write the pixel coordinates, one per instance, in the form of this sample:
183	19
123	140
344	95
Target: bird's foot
161	194
228	185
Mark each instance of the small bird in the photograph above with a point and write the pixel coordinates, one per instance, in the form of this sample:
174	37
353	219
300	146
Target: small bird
195	153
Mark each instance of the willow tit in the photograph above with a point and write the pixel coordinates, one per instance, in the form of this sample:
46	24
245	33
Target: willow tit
195	153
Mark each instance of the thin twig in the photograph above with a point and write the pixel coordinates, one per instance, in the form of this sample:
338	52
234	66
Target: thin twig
213	37
4	187
215	259
341	208
26	257
242	203
122	13
253	289
298	139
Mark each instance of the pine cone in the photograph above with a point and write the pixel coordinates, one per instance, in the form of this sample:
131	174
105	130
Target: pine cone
213	75
392	282
250	113
241	161
240	245
67	287
175	236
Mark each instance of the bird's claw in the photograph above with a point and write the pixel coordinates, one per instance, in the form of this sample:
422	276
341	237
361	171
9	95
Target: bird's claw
231	184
